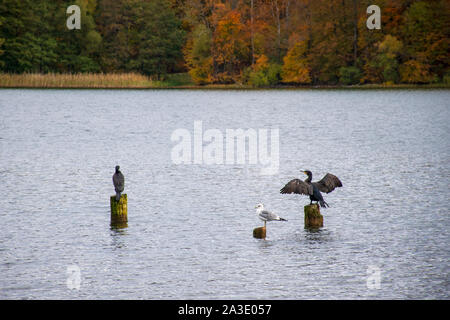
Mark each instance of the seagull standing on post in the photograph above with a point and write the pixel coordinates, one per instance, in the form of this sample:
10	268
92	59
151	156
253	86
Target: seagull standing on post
119	182
266	215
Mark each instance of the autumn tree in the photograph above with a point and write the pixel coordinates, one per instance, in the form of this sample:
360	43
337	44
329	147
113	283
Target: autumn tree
427	40
387	60
368	41
198	55
332	39
263	73
296	67
260	42
1	44
231	51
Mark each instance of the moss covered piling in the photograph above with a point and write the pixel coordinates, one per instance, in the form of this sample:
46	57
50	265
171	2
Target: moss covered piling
119	210
313	218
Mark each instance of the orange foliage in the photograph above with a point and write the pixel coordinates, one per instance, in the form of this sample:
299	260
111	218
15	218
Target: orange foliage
296	68
414	71
315	39
230	47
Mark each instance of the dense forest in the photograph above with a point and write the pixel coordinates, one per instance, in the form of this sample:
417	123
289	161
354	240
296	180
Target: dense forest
255	42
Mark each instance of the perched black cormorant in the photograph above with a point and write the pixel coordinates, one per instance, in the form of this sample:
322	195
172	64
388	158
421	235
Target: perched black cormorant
119	182
312	189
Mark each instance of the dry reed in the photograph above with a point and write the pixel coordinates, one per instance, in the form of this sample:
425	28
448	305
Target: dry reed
79	80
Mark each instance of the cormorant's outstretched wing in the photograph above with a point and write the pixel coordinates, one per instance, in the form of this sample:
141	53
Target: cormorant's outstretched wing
328	183
297	186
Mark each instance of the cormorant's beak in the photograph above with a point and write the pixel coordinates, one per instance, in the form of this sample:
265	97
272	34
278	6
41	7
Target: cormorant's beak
305	172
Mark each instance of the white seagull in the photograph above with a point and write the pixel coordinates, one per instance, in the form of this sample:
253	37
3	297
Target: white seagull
266	215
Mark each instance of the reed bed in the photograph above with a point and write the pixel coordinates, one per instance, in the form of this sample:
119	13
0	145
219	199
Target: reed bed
78	80
176	80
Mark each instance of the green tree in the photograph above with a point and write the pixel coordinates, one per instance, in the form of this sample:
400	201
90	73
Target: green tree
115	23
387	60
349	75
79	50
158	37
37	39
198	54
2	40
28	44
264	73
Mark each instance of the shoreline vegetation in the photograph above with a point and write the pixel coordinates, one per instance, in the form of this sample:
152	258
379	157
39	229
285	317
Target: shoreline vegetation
224	44
171	81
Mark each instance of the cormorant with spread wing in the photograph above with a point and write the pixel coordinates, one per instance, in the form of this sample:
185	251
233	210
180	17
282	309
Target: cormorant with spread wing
312	189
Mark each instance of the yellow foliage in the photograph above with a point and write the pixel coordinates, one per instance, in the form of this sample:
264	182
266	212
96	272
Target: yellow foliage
261	63
413	71
201	73
390	45
296	68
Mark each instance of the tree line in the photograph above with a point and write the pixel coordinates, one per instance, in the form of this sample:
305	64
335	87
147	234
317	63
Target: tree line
256	42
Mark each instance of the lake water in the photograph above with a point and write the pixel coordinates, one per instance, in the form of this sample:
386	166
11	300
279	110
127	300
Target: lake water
189	234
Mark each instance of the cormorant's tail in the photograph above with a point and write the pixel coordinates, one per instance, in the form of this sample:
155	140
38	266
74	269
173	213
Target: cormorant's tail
323	204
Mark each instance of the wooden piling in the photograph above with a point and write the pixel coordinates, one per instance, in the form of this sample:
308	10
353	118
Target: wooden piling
119	211
313	218
259	233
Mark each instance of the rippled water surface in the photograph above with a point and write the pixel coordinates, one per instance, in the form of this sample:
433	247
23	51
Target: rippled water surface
189	234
